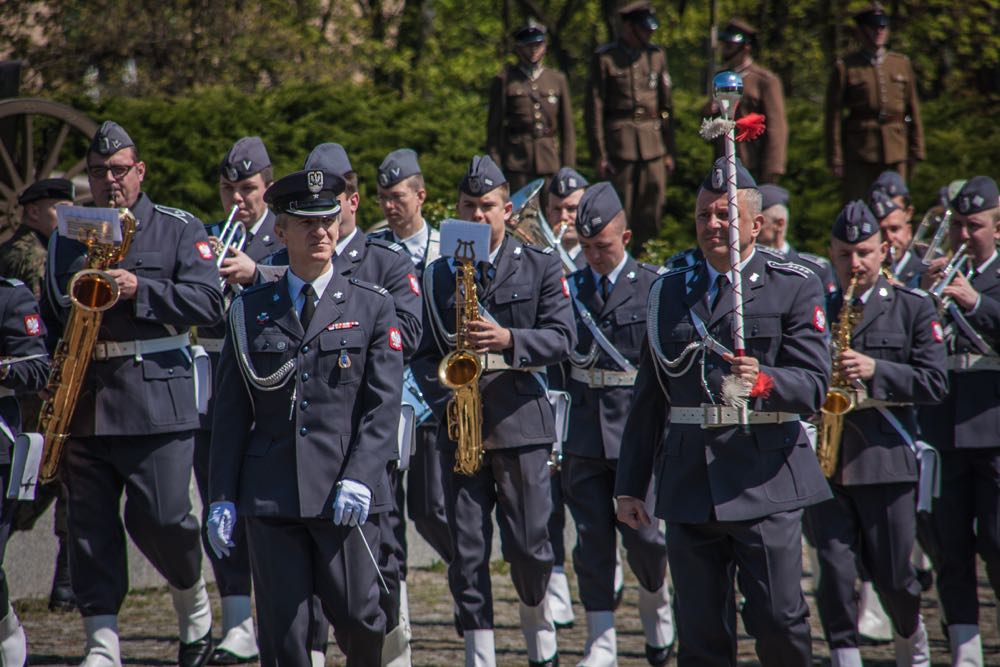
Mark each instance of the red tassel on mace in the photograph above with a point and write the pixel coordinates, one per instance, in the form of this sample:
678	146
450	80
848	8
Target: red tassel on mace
750	127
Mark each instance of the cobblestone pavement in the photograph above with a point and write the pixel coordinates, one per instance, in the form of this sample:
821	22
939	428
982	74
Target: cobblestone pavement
148	627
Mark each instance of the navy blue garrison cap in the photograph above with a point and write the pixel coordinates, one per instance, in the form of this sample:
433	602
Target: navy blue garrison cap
307	194
396	166
855	223
566	182
771	195
247	157
891	183
598	207
49	188
715	181
110	138
881	204
331	158
482	176
978	194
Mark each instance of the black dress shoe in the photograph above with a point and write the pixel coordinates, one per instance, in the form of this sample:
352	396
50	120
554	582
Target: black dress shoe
221	656
563	626
926	579
196	653
551	662
62	599
658	657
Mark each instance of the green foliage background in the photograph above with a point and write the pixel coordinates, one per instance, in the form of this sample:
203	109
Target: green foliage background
189	78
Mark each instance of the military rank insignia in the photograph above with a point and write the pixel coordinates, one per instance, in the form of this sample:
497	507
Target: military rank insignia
32	324
204	250
395	339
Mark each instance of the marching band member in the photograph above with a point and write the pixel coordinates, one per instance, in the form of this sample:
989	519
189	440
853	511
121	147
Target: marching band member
244	175
306	414
895	359
133	428
22	334
964	427
613	290
530	326
560	210
732	495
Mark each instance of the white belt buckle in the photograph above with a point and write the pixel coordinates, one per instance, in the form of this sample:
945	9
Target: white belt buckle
596	378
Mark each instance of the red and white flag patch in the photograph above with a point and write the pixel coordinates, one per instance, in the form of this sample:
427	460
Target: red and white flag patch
819	319
395	339
204	250
32	325
565	287
937	331
414	284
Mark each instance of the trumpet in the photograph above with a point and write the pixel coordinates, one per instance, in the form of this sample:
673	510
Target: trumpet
935	224
536	230
956	264
232	236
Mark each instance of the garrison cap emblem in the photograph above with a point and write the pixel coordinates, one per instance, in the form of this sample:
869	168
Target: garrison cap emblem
718	178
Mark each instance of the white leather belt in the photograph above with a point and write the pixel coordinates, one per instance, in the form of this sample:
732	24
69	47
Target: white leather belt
109	349
492	361
211	344
5	392
596	378
713	416
972	362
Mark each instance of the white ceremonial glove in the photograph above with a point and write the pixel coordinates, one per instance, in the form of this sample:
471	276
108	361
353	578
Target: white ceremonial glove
221	520
350	507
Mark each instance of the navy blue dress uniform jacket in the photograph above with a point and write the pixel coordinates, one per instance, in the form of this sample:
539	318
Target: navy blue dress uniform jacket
899	328
528	295
281	453
178	287
22	334
597	415
969	418
382	263
721	470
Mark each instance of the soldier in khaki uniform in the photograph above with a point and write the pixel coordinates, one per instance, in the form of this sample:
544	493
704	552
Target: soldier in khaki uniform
529	130
629	128
762	93
872	112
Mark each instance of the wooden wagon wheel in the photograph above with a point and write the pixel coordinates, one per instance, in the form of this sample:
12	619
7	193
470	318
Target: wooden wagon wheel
40	139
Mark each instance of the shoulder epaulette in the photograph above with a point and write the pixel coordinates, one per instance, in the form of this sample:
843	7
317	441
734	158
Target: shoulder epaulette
651	268
686	256
371	286
680	269
654	47
255	288
915	291
391	245
384	234
180	214
815	259
791	267
12	282
768	250
547	250
604	48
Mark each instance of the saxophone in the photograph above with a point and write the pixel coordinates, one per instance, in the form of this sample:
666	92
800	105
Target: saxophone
91	292
460	369
841	397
